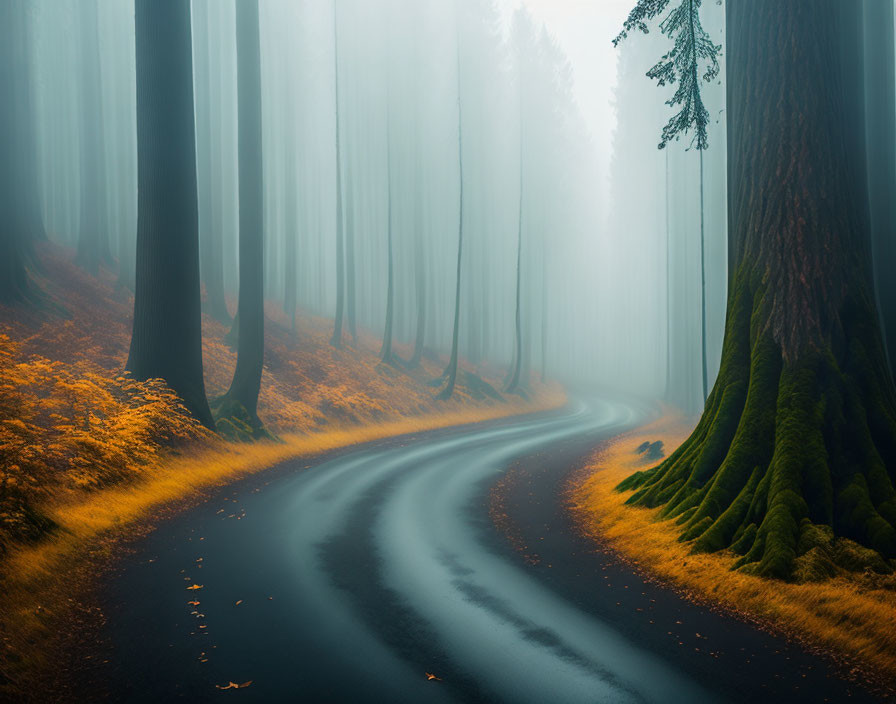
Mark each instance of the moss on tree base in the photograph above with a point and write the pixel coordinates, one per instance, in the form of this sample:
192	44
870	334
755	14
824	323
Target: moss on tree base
792	464
234	422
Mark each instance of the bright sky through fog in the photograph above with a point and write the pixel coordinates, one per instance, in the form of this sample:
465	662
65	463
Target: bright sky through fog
585	30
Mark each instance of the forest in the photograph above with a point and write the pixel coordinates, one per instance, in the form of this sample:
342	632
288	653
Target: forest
542	350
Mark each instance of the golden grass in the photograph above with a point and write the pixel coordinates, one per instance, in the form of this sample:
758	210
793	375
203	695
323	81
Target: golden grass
852	618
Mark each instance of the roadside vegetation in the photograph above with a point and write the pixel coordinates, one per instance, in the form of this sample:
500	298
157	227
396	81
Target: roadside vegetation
846	608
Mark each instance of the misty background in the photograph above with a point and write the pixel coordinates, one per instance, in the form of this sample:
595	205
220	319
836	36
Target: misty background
610	262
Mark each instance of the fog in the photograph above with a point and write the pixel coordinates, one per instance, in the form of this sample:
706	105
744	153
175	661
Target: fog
526	120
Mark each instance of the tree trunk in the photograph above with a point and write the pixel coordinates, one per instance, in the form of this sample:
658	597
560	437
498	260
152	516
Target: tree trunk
21	221
207	139
14	280
797	443
880	69
705	376
250	351
513	380
386	351
167	336
336	340
450	373
419	265
93	237
350	295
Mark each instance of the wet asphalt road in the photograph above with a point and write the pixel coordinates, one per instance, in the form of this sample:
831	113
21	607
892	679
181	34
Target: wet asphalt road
351	579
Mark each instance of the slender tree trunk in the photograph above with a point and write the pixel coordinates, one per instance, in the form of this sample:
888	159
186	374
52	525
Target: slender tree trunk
350	295
705	376
386	352
451	370
336	340
797	443
290	268
208	136
93	237
167	337
250	352
513	381
880	68
419	266
670	395
15	284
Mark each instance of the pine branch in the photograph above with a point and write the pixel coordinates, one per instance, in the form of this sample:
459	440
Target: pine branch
692	48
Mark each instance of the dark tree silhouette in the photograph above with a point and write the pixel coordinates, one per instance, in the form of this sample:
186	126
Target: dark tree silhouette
797	443
880	113
208	138
20	217
93	238
242	397
167	337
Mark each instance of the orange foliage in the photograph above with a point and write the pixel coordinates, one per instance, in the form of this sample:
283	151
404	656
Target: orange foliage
71	420
70	426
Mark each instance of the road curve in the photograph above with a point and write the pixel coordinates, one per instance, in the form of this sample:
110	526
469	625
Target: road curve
353	579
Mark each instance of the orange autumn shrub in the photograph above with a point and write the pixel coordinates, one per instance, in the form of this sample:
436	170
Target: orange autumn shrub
66	427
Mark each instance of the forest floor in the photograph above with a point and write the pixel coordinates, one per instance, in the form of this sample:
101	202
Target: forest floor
88	453
850	617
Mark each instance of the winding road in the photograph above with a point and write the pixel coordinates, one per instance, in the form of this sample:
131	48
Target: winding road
377	575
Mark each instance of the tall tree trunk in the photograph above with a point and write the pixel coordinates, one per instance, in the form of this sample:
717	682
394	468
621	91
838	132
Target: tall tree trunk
15	236
93	237
450	373
513	380
208	136
880	68
250	351
419	264
336	340
350	294
669	394
797	443
705	376
167	337
386	352
291	234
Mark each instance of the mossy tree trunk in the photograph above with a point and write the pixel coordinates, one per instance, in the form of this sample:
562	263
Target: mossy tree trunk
800	428
167	336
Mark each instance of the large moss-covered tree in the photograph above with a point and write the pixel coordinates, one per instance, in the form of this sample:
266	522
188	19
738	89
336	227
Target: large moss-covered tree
797	443
167	338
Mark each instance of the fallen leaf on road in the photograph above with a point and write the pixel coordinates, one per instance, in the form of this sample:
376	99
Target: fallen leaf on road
233	685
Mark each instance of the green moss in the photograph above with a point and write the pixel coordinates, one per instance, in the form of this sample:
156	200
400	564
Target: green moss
791	457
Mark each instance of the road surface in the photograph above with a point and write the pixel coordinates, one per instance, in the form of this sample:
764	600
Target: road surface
376	575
